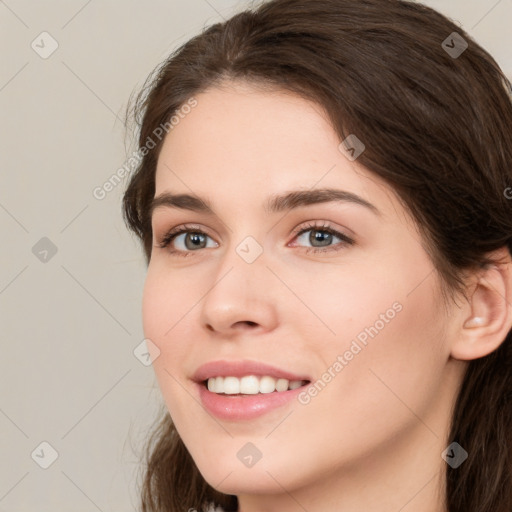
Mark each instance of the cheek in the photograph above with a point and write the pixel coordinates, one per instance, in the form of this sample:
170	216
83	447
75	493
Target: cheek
393	361
167	306
389	335
153	298
343	304
164	318
166	299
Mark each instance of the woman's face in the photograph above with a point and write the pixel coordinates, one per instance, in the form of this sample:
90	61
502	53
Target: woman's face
361	318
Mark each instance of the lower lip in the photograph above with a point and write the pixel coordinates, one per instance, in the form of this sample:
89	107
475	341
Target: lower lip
233	407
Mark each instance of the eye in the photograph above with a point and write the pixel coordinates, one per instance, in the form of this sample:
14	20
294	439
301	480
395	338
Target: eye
185	239
321	237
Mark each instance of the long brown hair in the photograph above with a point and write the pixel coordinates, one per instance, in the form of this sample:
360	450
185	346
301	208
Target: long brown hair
436	120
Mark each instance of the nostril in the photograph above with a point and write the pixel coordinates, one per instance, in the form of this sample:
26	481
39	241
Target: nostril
246	323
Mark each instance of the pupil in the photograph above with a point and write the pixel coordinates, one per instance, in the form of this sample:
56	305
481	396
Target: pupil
320	236
195	239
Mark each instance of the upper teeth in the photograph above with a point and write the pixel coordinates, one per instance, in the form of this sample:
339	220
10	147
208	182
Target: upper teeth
250	385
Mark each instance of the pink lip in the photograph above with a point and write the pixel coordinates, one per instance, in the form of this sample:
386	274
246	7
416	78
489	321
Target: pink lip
246	407
240	369
243	407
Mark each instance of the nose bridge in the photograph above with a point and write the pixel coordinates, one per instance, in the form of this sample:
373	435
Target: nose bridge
239	290
244	257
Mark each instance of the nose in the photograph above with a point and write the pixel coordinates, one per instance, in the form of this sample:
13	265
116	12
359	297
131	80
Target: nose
241	297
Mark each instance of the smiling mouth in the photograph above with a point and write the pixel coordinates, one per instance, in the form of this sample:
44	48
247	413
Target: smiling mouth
251	385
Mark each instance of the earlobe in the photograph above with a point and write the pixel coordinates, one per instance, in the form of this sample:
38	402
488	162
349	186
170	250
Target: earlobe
487	318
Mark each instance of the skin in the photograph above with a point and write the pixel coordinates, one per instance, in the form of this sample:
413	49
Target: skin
372	438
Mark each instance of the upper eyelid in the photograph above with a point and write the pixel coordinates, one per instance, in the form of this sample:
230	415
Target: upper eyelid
190	227
319	225
345	238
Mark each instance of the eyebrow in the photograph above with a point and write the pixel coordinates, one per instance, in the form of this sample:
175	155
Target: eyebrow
274	204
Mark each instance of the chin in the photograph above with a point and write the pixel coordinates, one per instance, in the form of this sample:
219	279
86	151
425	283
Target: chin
244	482
230	476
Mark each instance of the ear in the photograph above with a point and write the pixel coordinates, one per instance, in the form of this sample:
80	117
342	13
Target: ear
486	319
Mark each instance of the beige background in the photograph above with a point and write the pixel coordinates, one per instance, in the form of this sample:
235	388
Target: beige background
70	324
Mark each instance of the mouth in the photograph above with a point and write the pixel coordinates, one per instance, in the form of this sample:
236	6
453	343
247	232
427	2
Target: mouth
250	385
240	405
244	390
240	390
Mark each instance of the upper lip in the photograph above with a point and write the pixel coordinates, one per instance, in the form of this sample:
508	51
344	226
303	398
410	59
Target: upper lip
241	369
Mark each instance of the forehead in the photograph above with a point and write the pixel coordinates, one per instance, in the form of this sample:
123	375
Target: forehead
242	142
248	132
238	121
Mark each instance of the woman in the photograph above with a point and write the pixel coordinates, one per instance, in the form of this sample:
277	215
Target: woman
324	203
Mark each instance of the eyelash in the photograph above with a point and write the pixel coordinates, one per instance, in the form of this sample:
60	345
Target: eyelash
168	237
